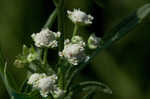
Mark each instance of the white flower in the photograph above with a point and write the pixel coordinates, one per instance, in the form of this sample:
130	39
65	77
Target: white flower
45	84
58	92
94	42
79	17
73	52
46	38
34	78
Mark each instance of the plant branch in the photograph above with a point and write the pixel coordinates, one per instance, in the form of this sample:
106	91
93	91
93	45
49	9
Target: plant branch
51	19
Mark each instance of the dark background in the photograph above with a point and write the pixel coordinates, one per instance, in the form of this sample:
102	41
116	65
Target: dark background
124	66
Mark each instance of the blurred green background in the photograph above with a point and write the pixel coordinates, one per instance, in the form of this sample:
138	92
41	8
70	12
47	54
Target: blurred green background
124	66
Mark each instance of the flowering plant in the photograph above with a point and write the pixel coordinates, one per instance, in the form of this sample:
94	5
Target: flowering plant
56	82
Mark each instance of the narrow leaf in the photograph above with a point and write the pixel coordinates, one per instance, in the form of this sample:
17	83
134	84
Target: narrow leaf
13	94
102	87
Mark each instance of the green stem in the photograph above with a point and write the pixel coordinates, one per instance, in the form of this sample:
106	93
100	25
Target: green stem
42	69
51	19
75	31
60	14
45	56
61	78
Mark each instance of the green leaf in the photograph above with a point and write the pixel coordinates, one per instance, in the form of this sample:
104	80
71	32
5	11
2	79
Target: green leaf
89	84
127	24
118	32
88	87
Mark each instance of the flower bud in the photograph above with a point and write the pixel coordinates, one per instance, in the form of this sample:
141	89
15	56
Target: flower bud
94	42
77	39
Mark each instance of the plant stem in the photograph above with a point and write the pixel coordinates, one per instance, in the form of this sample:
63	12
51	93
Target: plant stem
60	14
45	56
51	19
75	31
55	2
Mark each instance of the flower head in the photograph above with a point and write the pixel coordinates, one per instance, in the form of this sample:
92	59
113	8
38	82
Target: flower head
34	79
94	42
79	17
46	38
45	84
74	53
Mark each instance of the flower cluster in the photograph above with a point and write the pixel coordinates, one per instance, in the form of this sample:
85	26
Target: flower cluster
74	50
46	38
74	53
79	17
45	84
